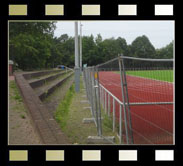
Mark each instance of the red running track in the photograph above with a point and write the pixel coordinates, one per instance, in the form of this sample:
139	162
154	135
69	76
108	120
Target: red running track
151	124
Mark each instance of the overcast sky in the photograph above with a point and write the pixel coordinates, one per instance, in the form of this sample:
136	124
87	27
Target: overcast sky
160	33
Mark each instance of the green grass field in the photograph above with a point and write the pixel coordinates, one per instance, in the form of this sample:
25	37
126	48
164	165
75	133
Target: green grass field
162	75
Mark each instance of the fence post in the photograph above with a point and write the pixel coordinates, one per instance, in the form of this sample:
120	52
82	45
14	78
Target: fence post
100	94
114	114
96	99
105	102
102	97
127	101
123	99
98	107
120	124
86	83
109	105
92	92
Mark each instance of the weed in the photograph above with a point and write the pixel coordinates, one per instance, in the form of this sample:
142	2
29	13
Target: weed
63	108
22	116
16	96
107	121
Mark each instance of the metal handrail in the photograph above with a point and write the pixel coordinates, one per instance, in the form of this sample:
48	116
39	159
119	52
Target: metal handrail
135	103
146	59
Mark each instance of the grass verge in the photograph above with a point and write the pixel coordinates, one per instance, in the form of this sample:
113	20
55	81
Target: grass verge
62	110
16	94
70	114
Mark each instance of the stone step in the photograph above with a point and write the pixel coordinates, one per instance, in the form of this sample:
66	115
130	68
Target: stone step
32	75
35	83
44	91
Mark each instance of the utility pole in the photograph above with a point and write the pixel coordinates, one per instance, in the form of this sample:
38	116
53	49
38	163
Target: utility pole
77	69
81	46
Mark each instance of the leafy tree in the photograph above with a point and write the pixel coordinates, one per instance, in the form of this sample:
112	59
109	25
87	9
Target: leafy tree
30	43
67	50
89	50
141	47
124	48
165	52
63	38
98	39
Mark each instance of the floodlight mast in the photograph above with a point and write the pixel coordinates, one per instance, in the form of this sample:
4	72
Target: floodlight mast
76	45
81	46
77	69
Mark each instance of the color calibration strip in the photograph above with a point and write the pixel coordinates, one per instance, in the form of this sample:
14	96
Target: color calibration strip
164	155
54	10
88	10
91	155
91	10
54	155
127	155
18	155
17	10
163	10
129	10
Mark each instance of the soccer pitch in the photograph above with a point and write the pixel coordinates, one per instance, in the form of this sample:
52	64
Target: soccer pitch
162	75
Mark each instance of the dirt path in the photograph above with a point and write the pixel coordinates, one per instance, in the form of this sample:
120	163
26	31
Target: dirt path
20	128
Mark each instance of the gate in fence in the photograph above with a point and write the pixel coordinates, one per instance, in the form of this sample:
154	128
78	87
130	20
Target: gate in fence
134	98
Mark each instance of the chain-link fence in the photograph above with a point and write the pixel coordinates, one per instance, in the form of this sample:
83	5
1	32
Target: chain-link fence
134	98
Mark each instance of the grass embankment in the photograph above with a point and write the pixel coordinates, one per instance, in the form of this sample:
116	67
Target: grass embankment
162	75
16	99
61	114
70	114
16	95
20	129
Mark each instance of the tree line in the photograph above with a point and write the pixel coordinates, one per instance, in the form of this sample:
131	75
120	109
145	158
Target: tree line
33	46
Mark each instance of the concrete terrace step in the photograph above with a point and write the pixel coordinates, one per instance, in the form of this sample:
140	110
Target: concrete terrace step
46	90
45	125
32	75
37	82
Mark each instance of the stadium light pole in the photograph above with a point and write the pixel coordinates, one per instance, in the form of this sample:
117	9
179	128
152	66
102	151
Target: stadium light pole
77	69
81	46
